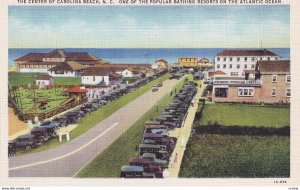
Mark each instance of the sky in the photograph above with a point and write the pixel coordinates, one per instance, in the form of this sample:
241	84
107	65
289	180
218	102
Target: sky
149	27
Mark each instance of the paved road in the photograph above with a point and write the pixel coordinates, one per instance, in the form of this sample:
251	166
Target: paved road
66	160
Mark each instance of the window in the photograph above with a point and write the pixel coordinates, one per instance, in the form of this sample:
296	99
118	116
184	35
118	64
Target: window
218	66
238	66
230	58
288	92
288	78
252	59
246	59
230	66
252	66
218	58
221	92
273	92
245	66
246	92
234	74
94	78
261	58
274	78
276	58
269	58
224	59
238	59
224	66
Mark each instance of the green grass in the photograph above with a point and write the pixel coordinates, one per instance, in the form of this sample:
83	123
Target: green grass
245	115
94	118
15	78
110	161
54	96
225	156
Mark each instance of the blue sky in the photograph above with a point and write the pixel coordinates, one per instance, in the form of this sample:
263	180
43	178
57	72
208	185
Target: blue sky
149	27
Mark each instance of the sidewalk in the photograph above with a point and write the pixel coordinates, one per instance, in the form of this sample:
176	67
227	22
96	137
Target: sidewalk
182	134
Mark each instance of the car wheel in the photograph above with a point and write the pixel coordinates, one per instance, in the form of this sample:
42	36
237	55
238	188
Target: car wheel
11	154
41	140
28	147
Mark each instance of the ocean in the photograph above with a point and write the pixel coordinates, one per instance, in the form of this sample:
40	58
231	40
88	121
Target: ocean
140	55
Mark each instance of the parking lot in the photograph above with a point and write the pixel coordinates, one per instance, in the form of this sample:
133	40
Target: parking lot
60	161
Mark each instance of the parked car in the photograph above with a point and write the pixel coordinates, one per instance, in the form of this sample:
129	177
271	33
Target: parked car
148	167
64	120
11	149
154	89
40	134
50	124
161	151
159	84
25	142
135	172
154	160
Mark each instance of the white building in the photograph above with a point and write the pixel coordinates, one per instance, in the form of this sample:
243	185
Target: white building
235	63
130	73
67	69
44	80
95	75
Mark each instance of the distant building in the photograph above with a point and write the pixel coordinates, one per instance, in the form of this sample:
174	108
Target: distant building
235	62
44	80
268	83
130	73
43	62
204	63
160	64
95	76
188	62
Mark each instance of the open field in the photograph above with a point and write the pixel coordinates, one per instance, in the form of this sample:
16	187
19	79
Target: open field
15	78
96	117
245	115
110	161
213	156
54	97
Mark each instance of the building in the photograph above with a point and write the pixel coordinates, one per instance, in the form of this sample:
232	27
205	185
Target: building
160	64
270	84
188	62
130	73
67	69
42	62
95	76
78	93
204	63
44	80
235	62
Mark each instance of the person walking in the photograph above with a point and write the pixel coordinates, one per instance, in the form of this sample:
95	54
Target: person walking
193	101
176	159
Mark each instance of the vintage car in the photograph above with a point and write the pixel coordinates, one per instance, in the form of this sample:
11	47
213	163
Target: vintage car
11	149
64	120
25	142
41	134
146	164
135	172
50	124
154	160
154	89
161	151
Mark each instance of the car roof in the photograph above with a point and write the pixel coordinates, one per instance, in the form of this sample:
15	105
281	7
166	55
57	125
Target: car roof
151	145
139	160
39	129
26	136
128	168
147	154
148	135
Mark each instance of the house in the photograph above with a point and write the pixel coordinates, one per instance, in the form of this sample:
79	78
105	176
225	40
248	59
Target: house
78	93
204	63
160	64
270	84
44	80
235	62
130	73
188	62
67	69
96	76
42	62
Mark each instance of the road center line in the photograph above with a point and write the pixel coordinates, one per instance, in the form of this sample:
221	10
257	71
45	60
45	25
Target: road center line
66	155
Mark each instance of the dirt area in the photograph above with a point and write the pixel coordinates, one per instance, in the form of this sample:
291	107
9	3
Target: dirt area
15	125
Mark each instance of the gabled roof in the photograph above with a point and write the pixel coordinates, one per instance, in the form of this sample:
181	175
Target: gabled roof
261	52
43	77
217	72
58	53
161	60
273	66
32	57
96	71
203	60
68	66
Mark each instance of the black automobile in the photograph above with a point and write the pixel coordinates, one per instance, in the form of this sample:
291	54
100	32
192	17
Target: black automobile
64	120
25	142
11	149
40	134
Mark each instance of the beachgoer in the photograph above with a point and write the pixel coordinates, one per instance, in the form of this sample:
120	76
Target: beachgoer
176	159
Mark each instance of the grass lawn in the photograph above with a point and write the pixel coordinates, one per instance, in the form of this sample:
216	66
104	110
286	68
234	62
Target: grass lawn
54	96
225	156
110	161
245	115
15	78
94	118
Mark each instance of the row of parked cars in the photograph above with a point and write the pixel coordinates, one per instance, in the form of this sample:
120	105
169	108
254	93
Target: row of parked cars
157	146
49	129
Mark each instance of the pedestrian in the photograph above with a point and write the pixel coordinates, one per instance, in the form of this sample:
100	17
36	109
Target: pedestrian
157	106
176	159
193	101
171	163
182	142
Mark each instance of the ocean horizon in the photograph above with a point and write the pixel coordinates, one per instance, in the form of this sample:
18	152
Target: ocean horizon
139	55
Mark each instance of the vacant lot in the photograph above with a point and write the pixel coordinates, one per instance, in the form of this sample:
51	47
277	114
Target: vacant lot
245	115
15	78
225	156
